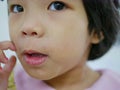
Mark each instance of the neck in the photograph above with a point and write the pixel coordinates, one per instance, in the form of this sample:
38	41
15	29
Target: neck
78	77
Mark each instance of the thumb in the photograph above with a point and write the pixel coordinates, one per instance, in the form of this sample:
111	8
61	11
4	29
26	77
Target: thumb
10	65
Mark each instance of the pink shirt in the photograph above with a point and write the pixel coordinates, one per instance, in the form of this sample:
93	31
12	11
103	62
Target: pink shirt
108	81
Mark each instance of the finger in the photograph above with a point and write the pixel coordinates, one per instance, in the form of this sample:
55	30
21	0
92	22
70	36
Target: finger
0	67
3	58
4	46
10	65
7	45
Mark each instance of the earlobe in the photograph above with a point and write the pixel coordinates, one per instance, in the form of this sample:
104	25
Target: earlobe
96	38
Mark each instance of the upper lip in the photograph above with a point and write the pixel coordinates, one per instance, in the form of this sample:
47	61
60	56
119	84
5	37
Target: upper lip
32	52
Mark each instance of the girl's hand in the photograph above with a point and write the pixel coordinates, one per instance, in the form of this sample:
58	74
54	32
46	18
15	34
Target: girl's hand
9	64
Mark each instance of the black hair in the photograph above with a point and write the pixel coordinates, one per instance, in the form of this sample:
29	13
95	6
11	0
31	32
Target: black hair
103	16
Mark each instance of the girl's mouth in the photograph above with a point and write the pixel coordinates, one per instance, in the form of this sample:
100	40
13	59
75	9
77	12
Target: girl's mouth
34	58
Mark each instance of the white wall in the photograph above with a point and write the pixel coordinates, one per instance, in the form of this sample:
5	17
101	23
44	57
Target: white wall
3	21
111	60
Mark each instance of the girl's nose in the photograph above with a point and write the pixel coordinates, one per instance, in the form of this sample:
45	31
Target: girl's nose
32	31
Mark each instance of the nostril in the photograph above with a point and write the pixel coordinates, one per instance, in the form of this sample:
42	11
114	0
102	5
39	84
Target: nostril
24	33
34	33
29	34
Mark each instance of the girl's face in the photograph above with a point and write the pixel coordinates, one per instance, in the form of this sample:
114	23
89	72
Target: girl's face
51	36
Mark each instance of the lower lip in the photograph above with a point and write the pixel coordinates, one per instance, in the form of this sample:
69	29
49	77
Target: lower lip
35	60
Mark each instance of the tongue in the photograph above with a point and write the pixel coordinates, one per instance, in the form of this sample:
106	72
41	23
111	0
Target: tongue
35	55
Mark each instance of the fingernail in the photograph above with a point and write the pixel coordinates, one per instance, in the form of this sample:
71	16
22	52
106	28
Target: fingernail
0	68
6	59
13	48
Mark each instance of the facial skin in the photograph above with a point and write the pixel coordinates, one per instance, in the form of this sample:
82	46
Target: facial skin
62	35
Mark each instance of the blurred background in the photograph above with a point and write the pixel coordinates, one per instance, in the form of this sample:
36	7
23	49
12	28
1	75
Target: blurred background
109	61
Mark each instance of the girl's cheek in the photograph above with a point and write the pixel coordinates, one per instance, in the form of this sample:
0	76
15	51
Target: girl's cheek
11	34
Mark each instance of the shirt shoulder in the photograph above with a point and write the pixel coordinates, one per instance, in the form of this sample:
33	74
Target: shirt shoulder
109	80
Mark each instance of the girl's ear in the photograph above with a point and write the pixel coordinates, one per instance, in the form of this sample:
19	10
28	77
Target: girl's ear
96	37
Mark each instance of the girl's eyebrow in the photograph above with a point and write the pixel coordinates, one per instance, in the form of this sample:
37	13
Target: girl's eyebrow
10	0
15	0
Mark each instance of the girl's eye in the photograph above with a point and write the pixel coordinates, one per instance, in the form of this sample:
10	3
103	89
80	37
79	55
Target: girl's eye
17	8
57	6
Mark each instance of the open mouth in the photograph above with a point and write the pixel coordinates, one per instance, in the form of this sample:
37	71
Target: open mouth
35	55
34	58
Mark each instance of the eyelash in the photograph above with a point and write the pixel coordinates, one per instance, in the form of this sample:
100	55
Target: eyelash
59	5
14	7
54	6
